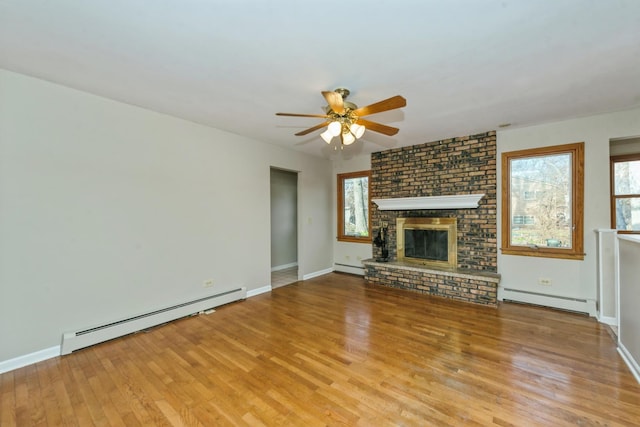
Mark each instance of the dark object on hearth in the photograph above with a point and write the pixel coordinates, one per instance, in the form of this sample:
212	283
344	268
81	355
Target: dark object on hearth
381	242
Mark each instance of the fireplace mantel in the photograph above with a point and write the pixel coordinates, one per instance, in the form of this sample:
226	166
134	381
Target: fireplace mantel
458	201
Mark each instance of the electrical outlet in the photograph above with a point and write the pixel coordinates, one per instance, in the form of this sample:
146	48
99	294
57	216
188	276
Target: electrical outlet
544	281
207	283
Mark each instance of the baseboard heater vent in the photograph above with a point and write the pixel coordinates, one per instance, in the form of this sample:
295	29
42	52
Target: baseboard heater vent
579	305
72	341
349	265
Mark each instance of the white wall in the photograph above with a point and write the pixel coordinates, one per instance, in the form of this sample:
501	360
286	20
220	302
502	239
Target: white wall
108	210
348	256
284	218
629	332
570	278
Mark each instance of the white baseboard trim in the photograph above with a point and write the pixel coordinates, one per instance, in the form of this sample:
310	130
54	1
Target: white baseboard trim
630	361
284	266
612	321
29	359
262	290
317	273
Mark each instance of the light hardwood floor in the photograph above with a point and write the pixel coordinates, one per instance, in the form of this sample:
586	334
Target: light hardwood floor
284	277
336	351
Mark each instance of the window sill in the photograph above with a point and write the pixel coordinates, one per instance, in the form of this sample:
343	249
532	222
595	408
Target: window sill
543	253
354	239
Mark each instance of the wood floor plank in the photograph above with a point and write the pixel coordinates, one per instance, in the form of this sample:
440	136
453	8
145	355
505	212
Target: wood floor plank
35	410
337	351
8	404
72	392
56	410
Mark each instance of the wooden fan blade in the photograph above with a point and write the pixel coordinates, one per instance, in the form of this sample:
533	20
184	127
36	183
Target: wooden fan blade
378	127
385	105
321	116
335	101
306	131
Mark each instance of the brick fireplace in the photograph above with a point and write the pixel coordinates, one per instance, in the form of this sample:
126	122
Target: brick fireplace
451	167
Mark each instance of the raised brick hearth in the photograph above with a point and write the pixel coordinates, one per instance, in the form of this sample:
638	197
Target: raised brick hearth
465	285
463	165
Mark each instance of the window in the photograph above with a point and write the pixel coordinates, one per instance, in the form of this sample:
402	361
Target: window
542	202
625	193
353	207
523	220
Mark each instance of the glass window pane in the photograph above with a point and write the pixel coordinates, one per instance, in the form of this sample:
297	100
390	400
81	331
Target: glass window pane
627	177
628	214
541	201
356	207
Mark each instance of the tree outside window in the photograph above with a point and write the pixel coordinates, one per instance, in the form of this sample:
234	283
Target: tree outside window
542	197
353	207
625	193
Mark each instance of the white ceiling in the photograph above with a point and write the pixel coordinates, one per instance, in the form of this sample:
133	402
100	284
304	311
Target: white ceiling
464	66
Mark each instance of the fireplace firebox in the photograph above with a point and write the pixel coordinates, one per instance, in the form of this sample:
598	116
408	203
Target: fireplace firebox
427	241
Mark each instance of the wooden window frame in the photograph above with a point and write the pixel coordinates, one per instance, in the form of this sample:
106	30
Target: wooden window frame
577	203
341	178
612	160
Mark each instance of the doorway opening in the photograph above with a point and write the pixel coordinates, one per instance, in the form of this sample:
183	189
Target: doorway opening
284	227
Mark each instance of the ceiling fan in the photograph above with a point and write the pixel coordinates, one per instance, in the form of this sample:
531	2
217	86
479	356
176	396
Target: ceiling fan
344	118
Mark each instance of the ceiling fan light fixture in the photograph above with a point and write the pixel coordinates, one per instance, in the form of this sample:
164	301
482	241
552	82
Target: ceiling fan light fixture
327	135
348	138
357	130
335	128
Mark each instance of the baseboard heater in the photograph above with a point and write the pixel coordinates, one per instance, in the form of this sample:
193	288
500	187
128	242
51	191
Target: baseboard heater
557	301
349	265
72	341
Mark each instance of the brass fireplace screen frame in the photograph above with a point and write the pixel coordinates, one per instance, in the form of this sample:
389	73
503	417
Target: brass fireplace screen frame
448	224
